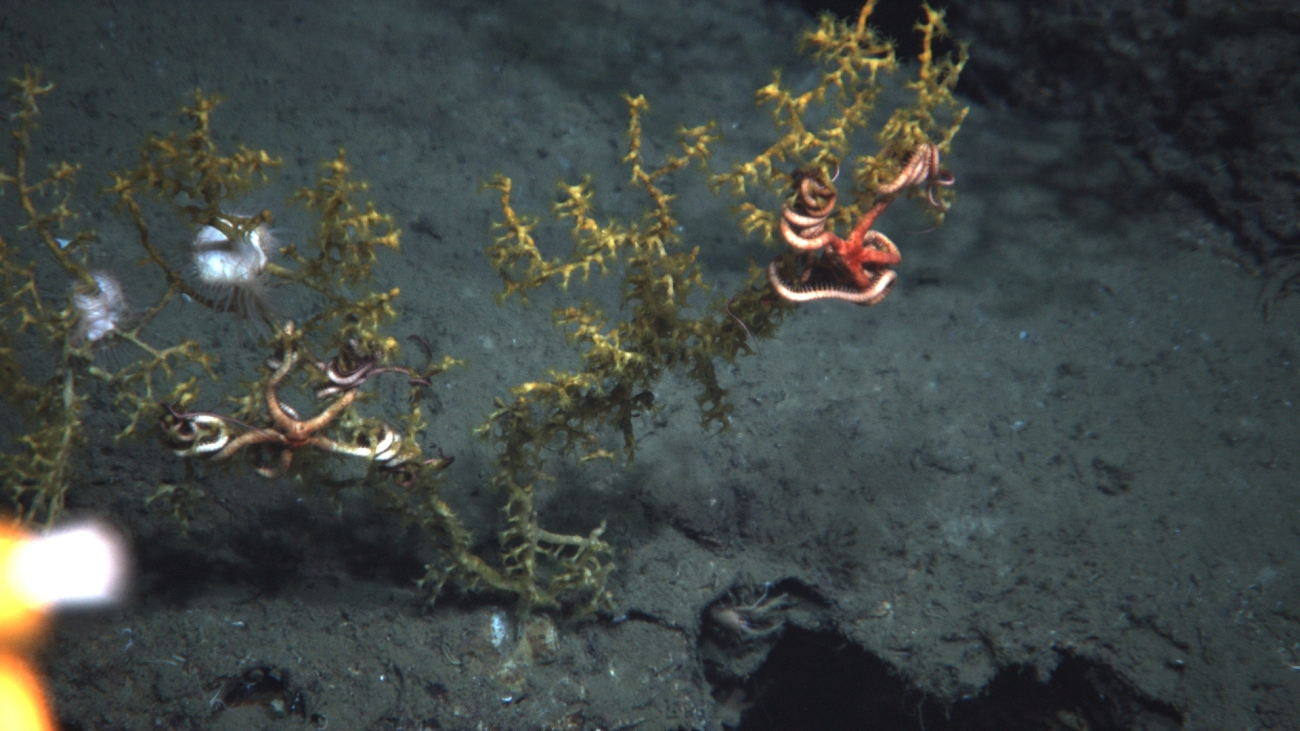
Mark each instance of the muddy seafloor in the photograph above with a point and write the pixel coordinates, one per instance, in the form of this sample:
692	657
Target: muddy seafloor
1049	483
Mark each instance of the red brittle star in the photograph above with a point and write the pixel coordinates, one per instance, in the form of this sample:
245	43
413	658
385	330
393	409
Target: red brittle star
856	269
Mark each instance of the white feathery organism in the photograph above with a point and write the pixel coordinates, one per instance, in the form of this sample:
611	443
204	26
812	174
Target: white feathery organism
233	270
98	312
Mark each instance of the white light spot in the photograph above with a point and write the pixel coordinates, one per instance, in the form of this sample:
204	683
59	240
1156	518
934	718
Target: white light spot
74	566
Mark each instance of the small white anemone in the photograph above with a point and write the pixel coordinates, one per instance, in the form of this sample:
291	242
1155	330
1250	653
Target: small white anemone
233	271
98	312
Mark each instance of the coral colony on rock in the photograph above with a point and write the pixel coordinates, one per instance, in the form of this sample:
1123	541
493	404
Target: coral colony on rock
342	337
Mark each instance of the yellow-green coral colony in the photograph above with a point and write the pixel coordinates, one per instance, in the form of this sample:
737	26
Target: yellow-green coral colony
622	360
670	321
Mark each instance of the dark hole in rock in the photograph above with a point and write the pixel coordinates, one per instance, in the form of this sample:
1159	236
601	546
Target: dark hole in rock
821	680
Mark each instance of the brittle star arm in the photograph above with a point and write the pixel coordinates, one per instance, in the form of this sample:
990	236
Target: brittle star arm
248	438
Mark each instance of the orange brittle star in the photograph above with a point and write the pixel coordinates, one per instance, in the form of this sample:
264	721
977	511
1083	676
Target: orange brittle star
856	269
209	435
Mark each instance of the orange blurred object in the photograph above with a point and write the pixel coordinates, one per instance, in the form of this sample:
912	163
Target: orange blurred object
80	565
21	619
22	698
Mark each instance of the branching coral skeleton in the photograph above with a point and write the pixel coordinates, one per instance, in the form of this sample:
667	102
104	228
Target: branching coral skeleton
665	321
